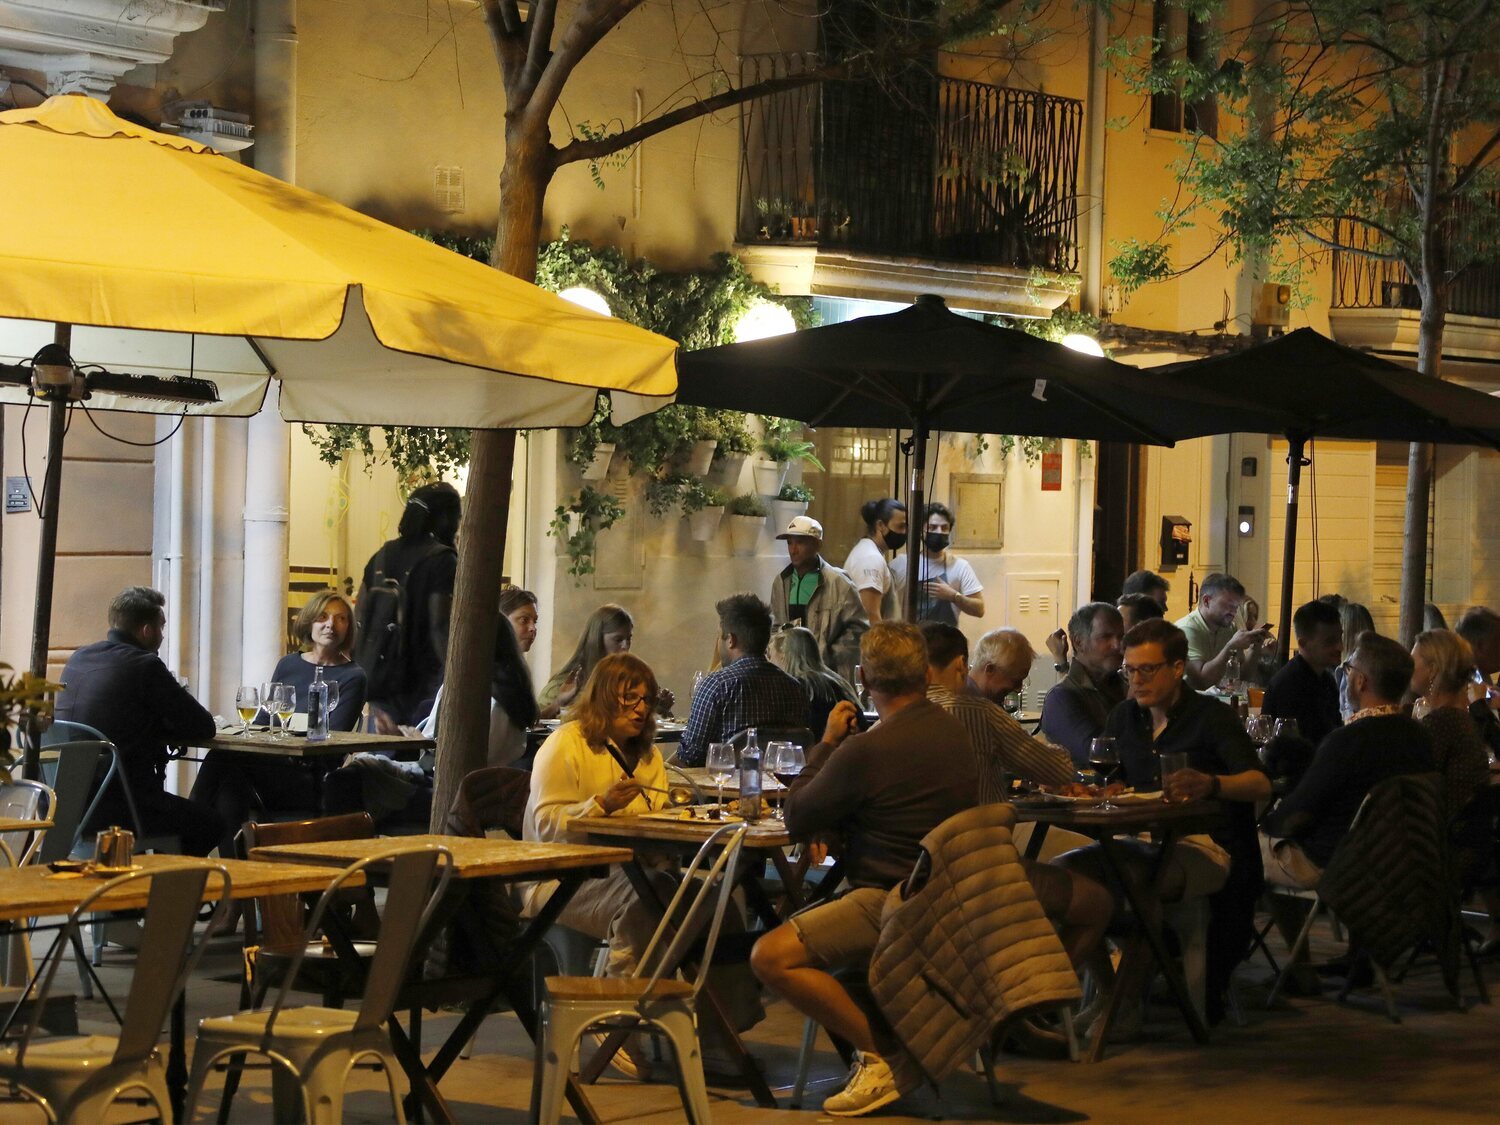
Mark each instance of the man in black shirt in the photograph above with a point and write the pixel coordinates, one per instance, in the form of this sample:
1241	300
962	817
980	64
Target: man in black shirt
1163	715
1481	628
120	687
1305	689
1378	742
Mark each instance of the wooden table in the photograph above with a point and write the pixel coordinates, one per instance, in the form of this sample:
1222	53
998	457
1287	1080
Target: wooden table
296	745
1166	823
646	836
474	858
31	892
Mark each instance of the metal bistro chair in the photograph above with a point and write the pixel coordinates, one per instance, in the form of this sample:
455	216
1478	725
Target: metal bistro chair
64	731
317	1046
21	800
77	1078
573	1005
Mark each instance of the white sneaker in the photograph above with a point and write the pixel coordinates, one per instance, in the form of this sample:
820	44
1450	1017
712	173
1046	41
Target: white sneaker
630	1060
871	1085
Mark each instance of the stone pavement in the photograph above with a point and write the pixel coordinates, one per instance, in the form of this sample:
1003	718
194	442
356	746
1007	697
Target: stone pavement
1309	1061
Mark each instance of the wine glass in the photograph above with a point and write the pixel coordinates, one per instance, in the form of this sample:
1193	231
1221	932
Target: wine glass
1105	758
792	762
772	764
247	703
333	697
1285	728
284	699
721	763
1259	728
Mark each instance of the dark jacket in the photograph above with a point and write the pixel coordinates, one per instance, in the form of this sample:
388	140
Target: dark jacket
126	692
1312	698
1076	709
1389	881
1350	762
430	569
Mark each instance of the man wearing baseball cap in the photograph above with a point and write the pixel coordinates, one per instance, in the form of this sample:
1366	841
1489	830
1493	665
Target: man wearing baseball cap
812	593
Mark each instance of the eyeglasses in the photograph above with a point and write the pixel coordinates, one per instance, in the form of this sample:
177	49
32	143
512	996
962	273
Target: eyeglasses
629	703
1140	671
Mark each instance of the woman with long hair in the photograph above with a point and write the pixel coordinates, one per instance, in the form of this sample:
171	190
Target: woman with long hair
513	706
795	651
1355	619
609	629
866	566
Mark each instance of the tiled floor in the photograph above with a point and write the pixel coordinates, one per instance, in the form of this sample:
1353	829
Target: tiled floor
1308	1061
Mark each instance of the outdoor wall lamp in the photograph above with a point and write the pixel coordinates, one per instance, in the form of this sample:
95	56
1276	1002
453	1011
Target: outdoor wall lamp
1246	523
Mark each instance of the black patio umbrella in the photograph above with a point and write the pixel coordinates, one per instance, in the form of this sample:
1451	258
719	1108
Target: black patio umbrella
927	368
1304	385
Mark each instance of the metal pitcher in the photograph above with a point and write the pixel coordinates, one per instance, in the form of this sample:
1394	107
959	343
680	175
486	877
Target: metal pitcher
114	847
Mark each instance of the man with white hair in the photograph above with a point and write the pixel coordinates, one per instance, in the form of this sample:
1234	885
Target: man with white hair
1002	661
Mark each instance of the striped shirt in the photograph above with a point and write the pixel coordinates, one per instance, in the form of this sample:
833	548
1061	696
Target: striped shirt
1001	746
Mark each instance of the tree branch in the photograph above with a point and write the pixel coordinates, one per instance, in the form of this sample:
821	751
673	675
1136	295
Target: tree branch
597	148
591	22
539	44
1476	163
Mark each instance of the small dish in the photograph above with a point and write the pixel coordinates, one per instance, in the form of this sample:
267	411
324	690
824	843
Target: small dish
64	866
100	869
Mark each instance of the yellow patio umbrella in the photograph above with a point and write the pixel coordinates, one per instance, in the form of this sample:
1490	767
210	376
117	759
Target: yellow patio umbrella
168	257
152	255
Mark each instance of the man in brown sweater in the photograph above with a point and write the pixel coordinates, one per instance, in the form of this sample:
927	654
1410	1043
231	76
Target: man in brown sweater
881	791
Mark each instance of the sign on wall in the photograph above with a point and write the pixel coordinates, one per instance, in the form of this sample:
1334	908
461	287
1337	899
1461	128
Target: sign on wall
1052	472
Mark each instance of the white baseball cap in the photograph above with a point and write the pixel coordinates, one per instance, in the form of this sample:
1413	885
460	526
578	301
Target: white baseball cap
803	525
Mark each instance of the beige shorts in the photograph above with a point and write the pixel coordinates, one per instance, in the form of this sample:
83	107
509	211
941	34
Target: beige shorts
842	934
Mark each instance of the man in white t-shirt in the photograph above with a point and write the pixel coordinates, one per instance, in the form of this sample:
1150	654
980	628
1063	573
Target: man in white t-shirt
885	530
950	586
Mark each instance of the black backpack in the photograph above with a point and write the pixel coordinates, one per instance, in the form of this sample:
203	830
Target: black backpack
381	644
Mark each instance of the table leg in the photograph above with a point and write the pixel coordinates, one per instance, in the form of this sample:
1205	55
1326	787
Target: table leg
791	879
1149	940
1036	839
177	1072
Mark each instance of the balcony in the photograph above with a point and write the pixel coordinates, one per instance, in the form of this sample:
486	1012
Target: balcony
1376	304
943	171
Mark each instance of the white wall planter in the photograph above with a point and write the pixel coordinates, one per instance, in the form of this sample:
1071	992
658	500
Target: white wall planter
744	533
770	476
703	524
784	511
701	458
728	469
598	468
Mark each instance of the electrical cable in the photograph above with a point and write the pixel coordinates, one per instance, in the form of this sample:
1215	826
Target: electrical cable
127	441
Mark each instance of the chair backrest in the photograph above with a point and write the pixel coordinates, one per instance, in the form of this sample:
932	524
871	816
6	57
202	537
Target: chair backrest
490	797
24	800
65	730
410	901
78	787
172	906
682	925
279	919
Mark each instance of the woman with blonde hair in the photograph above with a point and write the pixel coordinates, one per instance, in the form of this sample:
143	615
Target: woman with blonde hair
1443	667
795	651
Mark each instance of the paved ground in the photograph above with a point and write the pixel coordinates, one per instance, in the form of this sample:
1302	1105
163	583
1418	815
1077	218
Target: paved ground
1309	1061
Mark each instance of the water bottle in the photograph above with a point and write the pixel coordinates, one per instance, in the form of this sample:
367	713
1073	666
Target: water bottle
1230	681
750	777
317	707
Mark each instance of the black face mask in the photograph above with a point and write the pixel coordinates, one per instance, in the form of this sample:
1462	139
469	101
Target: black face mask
936	541
895	540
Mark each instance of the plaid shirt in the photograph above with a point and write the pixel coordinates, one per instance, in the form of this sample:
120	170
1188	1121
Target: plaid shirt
1002	746
751	692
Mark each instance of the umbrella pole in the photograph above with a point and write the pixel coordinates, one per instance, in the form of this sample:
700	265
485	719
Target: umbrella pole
46	551
914	512
1294	462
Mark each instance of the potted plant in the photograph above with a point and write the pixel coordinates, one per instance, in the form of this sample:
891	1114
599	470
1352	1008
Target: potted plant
577	525
781	443
747	516
703	505
790	502
25	705
734	444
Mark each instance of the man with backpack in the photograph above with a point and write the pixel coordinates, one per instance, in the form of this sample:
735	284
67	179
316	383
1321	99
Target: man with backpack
401	638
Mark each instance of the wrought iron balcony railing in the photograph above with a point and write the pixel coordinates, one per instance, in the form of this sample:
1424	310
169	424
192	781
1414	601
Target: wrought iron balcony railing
918	166
1364	282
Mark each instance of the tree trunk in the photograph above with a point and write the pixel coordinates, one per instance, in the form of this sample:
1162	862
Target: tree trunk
463	735
1419	472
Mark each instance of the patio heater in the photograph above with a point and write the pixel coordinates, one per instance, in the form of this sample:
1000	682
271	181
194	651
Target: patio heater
53	377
